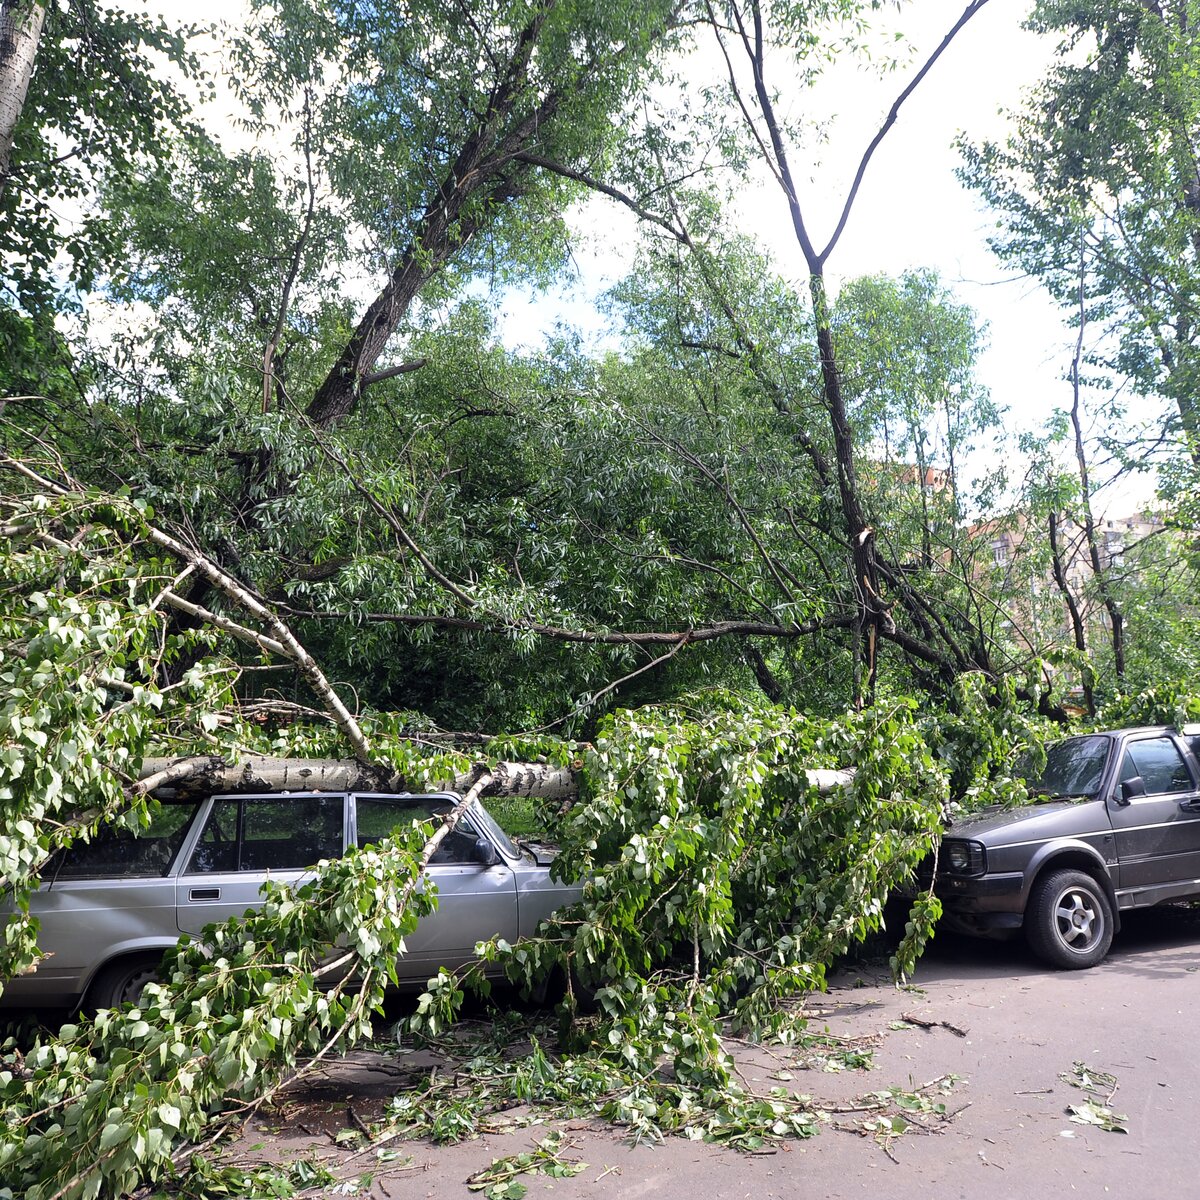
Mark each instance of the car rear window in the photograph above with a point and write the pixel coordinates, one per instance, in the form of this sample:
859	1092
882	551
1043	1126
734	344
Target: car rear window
118	852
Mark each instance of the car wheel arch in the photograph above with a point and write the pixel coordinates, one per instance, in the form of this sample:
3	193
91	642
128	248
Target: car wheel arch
1078	856
127	959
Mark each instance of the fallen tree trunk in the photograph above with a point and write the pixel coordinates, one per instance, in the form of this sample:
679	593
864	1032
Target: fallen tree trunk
258	773
252	773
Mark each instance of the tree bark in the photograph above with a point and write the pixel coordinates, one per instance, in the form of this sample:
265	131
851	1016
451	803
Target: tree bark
763	674
259	773
252	773
874	618
443	232
20	31
1099	570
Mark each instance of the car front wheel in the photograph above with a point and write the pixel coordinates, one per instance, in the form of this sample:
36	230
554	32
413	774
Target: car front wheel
1069	920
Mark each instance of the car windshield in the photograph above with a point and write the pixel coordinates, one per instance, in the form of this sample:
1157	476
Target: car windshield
488	822
1073	768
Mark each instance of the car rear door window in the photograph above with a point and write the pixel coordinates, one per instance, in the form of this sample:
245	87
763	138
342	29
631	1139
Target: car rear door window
378	816
259	833
120	852
1159	764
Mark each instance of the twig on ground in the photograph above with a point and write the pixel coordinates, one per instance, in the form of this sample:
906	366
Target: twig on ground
925	1023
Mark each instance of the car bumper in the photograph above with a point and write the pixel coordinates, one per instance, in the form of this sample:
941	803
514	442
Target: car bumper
985	906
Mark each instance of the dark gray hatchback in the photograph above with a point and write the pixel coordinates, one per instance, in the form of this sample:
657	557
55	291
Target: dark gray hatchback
1115	825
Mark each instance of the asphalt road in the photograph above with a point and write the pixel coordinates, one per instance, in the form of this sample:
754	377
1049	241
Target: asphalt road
1012	1030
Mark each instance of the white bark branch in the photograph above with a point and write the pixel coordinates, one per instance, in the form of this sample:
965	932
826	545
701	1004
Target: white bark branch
249	636
279	633
259	773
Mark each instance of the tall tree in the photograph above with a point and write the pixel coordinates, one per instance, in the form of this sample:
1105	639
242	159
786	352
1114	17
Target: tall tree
86	93
1104	156
465	96
752	38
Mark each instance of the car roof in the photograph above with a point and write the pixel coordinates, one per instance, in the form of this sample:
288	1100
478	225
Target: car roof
1130	729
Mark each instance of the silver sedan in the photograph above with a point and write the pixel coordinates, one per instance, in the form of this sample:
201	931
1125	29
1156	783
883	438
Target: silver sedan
111	907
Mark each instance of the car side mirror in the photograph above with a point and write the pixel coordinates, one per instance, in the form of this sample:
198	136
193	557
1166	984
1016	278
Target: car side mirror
485	853
1131	788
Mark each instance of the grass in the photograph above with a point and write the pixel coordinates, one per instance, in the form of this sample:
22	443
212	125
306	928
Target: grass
521	816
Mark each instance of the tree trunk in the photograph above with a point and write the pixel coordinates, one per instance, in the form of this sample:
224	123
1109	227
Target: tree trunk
762	673
872	608
1099	569
484	175
1077	626
922	478
259	773
874	618
442	234
20	31
254	773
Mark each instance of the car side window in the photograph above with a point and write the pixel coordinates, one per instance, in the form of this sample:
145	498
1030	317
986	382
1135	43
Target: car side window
1159	764
143	853
378	816
261	833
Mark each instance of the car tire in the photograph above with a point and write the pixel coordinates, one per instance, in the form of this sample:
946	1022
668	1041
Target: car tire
122	982
1069	920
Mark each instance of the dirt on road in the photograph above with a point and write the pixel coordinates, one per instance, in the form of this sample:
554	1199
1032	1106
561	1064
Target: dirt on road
1001	1041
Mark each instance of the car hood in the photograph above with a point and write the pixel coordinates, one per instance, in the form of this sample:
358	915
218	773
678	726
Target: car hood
544	853
996	826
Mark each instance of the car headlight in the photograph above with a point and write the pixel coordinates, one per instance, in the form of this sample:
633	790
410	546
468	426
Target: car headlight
960	857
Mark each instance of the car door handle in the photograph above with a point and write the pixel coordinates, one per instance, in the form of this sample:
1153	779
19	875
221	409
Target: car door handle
208	893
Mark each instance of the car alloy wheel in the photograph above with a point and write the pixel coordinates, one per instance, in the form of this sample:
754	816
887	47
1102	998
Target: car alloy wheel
1069	921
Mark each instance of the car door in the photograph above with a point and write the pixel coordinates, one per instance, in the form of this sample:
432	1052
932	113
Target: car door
1157	827
243	840
108	896
475	901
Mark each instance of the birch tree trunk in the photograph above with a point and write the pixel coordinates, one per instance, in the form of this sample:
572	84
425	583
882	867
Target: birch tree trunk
211	775
20	31
258	773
